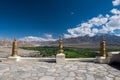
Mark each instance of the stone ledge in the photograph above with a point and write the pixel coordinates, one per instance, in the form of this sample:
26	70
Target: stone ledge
30	59
101	59
112	53
80	59
38	59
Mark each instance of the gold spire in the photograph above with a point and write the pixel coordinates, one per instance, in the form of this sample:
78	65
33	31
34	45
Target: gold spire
103	47
60	45
14	39
15	48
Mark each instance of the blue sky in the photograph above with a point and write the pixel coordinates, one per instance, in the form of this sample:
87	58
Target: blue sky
50	18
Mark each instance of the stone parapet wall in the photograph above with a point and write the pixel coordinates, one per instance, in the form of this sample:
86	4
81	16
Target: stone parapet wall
114	57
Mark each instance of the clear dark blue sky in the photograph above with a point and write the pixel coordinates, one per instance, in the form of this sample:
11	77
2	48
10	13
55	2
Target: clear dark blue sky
19	18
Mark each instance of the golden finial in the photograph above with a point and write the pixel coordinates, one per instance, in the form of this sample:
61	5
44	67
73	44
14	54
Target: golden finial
103	47
60	45
14	39
15	48
103	38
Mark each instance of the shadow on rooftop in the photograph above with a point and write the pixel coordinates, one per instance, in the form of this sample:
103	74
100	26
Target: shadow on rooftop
51	61
115	65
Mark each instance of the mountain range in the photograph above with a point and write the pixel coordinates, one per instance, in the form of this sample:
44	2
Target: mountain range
82	42
8	43
112	41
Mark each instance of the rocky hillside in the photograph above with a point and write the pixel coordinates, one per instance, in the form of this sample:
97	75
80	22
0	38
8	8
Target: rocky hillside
87	41
83	42
8	43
